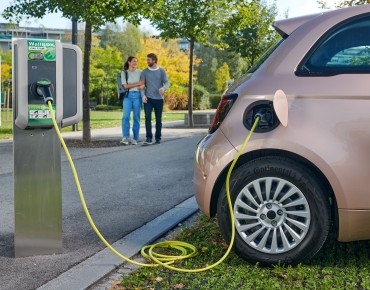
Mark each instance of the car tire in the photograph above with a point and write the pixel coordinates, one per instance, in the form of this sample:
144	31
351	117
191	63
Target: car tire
282	212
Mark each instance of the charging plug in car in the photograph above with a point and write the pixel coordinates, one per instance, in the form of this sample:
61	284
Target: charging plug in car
43	89
265	111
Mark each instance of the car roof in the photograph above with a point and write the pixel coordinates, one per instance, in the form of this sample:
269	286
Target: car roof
286	26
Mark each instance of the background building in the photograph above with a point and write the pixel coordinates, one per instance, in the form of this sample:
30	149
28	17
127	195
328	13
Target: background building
9	31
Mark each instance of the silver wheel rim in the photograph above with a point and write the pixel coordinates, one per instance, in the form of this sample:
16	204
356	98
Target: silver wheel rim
272	215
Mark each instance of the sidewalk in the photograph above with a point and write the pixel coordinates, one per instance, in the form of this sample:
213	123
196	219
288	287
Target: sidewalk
169	131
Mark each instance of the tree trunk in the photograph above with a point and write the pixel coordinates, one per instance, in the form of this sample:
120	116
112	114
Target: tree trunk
191	71
86	136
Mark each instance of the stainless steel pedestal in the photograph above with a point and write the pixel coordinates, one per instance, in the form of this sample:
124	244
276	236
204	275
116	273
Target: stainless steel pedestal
37	192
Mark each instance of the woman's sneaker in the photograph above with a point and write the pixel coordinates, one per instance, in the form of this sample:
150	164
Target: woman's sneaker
124	141
134	142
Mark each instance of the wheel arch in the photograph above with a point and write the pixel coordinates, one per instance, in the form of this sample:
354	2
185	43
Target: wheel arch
276	153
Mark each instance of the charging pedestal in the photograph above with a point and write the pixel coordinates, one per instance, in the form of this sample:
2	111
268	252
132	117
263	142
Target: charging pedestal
54	68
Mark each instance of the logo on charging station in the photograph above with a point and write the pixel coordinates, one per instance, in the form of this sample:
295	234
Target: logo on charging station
44	50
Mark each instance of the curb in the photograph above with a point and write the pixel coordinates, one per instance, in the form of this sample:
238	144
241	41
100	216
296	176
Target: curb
104	262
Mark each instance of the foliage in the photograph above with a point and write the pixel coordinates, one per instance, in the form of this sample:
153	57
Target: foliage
105	65
222	75
6	69
170	57
127	40
336	266
214	100
201	98
107	108
177	98
343	3
96	12
176	18
358	60
212	57
248	29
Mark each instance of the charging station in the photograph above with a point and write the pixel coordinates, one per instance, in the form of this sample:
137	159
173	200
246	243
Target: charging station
43	70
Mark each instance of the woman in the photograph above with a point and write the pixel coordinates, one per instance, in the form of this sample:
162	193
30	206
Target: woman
130	78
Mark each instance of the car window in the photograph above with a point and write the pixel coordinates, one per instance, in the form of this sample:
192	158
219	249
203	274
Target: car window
346	49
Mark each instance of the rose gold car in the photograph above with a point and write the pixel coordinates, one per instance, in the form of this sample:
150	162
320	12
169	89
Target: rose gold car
294	184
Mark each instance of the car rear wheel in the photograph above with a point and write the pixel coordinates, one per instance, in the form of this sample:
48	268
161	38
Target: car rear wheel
281	211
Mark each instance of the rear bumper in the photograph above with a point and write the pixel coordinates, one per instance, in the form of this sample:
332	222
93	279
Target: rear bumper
214	152
354	225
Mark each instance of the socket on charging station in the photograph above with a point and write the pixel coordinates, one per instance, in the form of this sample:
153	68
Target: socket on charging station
43	70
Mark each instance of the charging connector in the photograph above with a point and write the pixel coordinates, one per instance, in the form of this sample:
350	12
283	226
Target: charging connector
43	89
263	110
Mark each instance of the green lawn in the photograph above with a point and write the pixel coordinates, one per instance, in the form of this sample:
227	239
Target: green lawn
336	266
98	119
6	128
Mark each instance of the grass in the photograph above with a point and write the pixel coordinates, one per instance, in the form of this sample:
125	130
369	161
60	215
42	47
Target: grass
6	128
98	120
336	266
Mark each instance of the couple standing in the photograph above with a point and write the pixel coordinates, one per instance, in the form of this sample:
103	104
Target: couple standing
146	87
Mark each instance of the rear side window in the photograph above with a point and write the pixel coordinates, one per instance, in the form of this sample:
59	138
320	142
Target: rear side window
344	50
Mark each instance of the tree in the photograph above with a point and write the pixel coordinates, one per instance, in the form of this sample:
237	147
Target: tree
106	63
193	20
248	30
343	3
222	75
126	40
211	58
95	13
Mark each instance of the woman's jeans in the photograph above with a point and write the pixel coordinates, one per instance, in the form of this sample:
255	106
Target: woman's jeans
131	101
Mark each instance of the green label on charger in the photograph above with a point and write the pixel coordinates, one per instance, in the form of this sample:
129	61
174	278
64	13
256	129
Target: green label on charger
39	115
44	50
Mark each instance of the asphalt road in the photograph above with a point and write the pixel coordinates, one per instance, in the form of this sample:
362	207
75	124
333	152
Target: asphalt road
125	187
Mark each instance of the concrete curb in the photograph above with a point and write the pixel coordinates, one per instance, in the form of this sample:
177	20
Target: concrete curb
104	262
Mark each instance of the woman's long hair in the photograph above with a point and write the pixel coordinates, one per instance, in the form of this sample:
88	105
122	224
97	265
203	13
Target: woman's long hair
129	59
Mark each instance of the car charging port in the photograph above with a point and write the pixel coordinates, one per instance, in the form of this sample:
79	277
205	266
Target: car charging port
264	110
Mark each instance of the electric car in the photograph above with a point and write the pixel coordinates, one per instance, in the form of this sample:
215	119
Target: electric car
306	168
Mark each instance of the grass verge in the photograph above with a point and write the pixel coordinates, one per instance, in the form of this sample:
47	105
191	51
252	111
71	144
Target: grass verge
336	266
98	120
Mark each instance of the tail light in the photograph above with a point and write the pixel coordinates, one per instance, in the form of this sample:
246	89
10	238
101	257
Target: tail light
227	101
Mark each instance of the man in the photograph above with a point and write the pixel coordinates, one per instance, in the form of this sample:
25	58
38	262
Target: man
156	82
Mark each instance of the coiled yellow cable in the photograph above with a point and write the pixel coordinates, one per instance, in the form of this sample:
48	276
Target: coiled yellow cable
187	250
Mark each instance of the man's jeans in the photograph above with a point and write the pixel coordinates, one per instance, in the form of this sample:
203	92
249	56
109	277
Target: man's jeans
132	101
157	105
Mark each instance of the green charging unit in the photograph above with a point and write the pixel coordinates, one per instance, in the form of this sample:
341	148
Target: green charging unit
42	70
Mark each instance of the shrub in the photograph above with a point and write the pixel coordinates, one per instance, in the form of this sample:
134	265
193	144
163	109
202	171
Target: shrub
200	98
176	98
107	108
214	100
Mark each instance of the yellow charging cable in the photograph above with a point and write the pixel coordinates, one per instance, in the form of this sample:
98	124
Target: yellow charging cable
187	250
